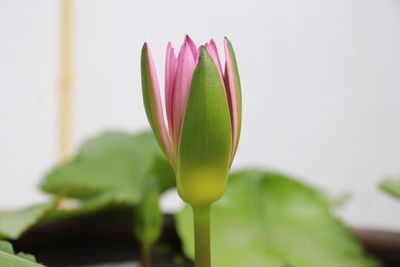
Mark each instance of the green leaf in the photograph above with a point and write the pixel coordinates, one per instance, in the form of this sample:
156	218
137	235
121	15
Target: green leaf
9	259
206	138
16	222
148	216
26	256
75	208
115	163
267	219
6	247
391	186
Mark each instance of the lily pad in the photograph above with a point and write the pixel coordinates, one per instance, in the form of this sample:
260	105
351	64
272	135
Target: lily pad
71	208
268	219
9	259
115	163
14	223
109	171
391	186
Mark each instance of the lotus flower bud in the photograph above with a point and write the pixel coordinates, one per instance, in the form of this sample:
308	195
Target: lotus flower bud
203	112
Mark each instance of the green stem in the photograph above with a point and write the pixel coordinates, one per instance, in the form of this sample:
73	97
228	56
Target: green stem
201	218
145	255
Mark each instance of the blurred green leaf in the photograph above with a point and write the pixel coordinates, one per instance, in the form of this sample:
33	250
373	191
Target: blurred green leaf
334	202
267	219
14	223
391	186
73	208
109	171
115	163
148	216
9	259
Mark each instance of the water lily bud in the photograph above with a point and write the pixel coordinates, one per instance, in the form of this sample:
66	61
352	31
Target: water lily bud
203	111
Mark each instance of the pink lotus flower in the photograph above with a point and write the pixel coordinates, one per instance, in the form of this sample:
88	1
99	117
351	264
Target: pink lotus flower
203	111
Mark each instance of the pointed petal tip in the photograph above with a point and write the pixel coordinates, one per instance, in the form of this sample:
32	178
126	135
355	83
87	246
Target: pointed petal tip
227	42
169	46
187	37
203	50
146	49
144	46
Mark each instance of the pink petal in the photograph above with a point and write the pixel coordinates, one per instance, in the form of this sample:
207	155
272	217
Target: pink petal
155	94
231	93
213	51
185	69
192	45
170	76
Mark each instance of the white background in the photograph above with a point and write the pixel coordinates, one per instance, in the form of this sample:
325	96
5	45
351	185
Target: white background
321	86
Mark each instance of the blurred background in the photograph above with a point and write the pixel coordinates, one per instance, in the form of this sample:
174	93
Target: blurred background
320	79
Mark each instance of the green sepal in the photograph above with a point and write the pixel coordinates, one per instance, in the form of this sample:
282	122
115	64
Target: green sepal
150	98
238	91
205	142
